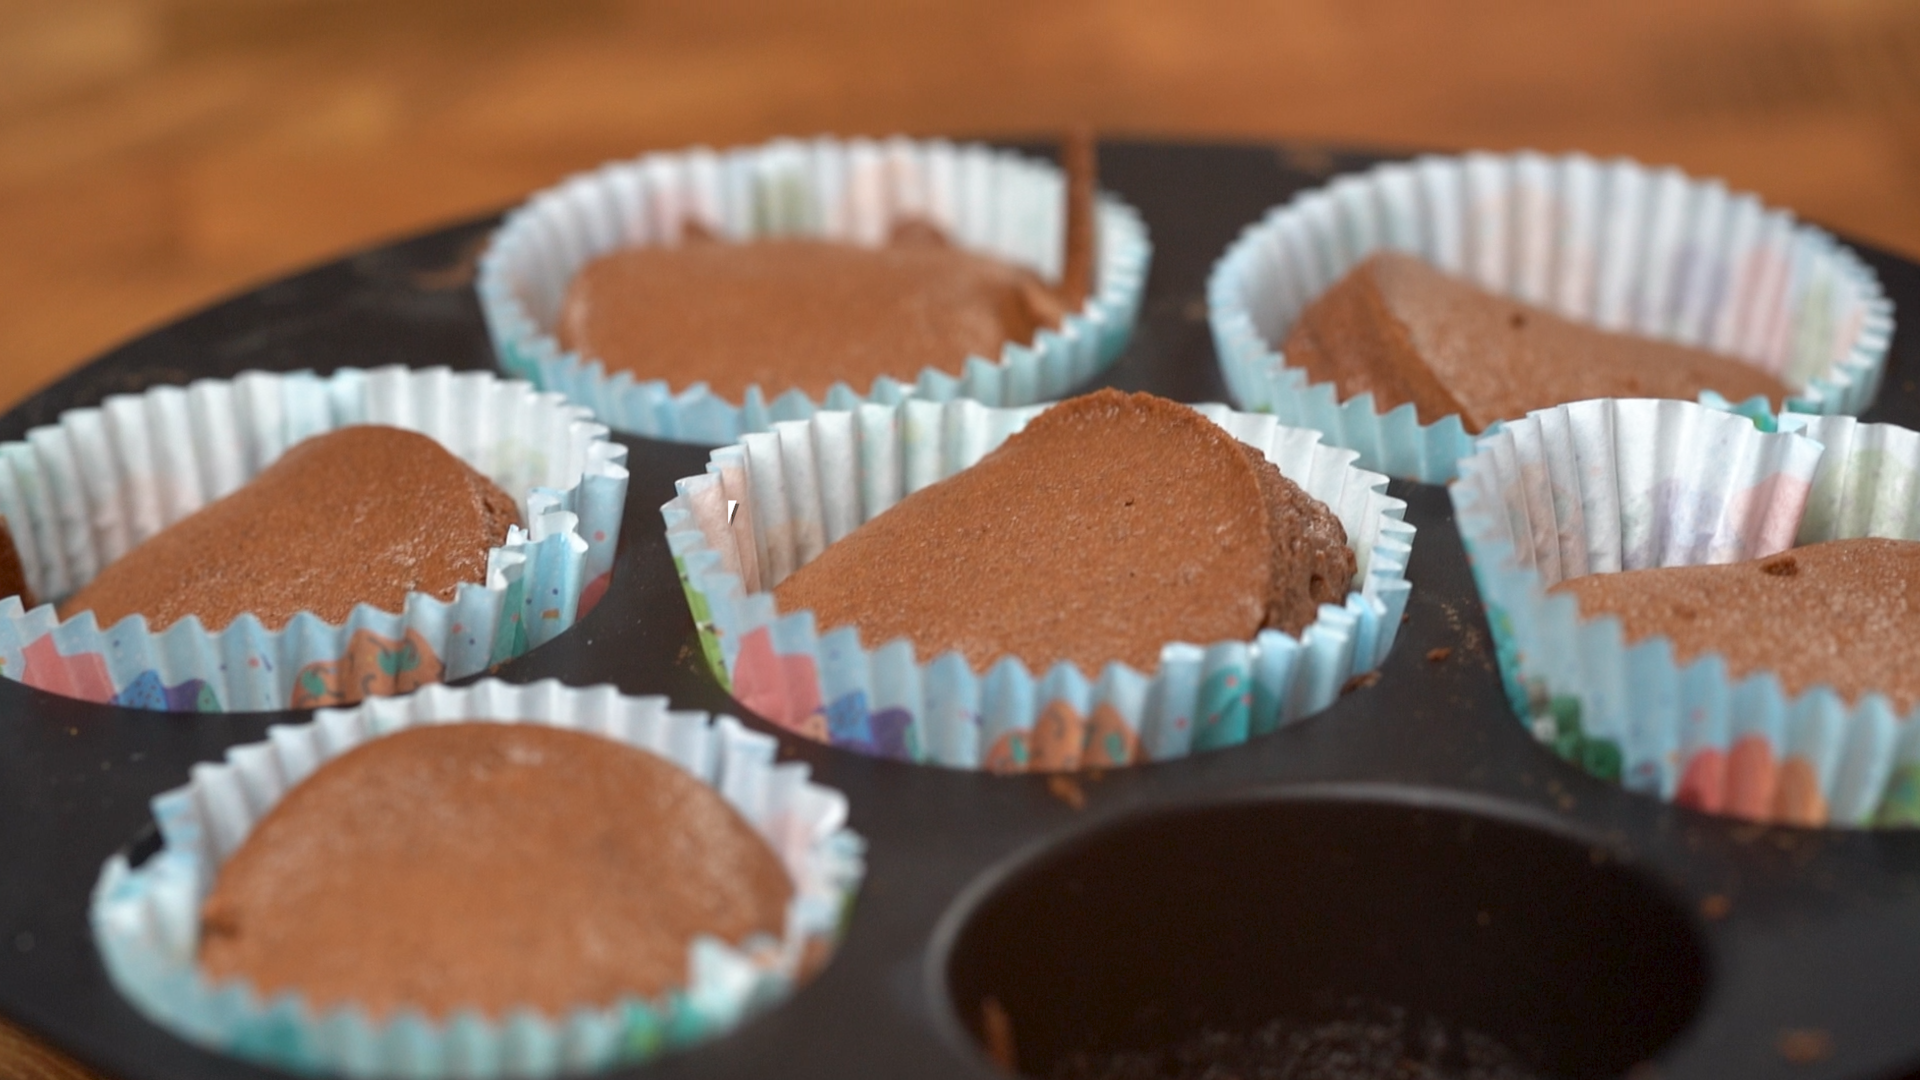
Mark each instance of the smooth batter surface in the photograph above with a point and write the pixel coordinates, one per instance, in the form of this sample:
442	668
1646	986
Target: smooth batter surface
783	314
1844	614
1407	332
359	515
488	866
1111	525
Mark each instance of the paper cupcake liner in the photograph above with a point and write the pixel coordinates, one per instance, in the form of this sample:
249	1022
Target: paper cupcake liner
770	504
83	492
986	200
1614	244
146	920
1601	486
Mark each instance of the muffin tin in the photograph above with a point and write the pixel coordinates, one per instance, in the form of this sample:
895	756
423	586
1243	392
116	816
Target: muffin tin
1411	843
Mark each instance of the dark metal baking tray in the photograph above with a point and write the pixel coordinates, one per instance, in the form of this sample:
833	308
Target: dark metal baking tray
1345	849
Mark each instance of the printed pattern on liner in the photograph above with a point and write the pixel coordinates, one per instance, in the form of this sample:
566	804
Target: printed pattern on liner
1602	486
146	919
778	498
1616	244
80	493
987	200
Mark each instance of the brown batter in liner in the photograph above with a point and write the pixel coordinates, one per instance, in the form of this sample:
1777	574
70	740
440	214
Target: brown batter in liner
363	514
1407	332
1113	524
782	314
1845	614
488	866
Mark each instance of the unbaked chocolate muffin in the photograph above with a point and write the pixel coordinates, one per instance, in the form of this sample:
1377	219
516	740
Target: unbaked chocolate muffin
363	514
1844	613
488	866
1404	331
1112	525
792	313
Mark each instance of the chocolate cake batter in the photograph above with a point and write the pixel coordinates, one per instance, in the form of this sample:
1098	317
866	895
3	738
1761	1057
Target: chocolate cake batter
1410	333
1113	524
13	574
797	313
488	866
1310	561
359	515
1844	614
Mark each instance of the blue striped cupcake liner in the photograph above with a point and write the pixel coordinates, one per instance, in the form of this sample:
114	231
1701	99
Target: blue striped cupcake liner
771	503
987	200
1616	244
80	493
1604	486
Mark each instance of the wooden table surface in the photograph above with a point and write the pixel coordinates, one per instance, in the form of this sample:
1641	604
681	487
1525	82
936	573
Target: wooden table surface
157	154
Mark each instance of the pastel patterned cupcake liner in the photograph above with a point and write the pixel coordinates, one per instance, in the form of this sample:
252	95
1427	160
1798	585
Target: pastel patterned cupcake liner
146	919
770	504
1603	486
1615	244
987	200
83	492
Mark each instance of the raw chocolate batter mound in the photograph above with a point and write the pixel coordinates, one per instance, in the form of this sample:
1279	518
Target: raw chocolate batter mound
1408	332
803	314
359	515
488	866
1844	614
1114	524
785	314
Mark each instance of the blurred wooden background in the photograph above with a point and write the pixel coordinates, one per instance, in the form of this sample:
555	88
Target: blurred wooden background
157	154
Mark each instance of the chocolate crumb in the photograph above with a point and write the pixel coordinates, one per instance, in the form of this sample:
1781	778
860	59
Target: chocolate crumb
996	1030
1314	161
1360	682
1064	787
813	957
1715	906
1439	655
1804	1046
457	274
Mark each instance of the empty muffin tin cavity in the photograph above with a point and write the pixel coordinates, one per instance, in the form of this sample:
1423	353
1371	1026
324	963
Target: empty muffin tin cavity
1453	922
